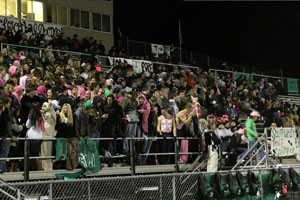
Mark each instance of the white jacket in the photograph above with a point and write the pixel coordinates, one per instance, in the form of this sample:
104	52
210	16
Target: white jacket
34	132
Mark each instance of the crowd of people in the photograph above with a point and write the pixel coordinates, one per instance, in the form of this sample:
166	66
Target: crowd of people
56	96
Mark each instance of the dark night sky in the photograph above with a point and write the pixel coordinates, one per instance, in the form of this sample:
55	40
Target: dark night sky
263	34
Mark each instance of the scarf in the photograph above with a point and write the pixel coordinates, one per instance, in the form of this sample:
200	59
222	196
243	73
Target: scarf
17	96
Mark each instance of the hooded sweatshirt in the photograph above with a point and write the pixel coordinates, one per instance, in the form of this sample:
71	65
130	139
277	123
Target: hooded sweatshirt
145	110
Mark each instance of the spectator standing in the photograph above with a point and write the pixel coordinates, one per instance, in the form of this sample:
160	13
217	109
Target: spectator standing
5	132
166	127
49	117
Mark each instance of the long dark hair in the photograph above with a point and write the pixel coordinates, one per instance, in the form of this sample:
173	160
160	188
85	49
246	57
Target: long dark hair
35	114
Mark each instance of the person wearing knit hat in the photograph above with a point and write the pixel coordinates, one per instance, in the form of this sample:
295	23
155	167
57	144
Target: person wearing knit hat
42	93
252	133
17	95
12	70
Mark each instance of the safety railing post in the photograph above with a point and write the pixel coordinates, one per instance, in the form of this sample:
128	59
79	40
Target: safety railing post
51	191
174	187
26	159
132	157
176	155
18	194
266	147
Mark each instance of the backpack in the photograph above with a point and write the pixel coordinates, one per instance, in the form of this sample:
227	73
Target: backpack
205	191
285	179
254	183
243	183
275	181
221	187
234	187
295	179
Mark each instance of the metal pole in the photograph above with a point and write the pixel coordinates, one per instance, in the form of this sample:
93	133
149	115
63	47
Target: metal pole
132	157
208	61
161	188
50	191
174	187
176	155
19	194
180	42
267	147
127	46
26	160
89	190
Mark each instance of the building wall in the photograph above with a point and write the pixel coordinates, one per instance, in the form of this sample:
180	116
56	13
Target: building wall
101	7
97	6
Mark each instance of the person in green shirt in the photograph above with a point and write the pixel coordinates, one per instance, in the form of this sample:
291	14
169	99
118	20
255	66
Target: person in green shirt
251	132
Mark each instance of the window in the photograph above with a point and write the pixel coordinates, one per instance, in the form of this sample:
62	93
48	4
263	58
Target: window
74	18
62	15
106	23
85	19
8	8
96	21
51	13
32	10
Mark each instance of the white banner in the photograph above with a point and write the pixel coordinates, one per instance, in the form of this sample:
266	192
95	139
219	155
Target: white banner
157	49
30	27
284	142
139	66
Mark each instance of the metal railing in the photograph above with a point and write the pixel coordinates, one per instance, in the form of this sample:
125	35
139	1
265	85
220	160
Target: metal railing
132	153
105	62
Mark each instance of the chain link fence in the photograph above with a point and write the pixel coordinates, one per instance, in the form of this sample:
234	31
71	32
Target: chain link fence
164	187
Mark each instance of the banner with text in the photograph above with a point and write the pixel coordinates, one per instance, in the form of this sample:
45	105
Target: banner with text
284	142
139	66
292	84
157	49
31	27
236	75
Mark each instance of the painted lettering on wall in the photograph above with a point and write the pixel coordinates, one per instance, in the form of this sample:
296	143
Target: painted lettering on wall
31	27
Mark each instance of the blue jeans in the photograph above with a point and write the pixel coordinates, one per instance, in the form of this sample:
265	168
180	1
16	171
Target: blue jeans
240	150
95	135
261	152
4	150
147	145
130	131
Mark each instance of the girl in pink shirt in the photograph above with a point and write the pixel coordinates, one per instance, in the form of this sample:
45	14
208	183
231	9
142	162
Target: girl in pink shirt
166	127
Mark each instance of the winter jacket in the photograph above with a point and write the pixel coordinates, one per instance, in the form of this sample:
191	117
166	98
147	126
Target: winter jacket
5	123
251	129
81	122
145	110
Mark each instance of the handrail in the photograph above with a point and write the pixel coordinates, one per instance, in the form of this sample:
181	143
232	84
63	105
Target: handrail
250	151
159	63
44	49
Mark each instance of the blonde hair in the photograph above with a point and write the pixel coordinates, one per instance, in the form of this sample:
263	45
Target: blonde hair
69	114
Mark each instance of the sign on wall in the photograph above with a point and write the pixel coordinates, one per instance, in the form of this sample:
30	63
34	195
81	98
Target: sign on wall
292	84
284	142
139	66
157	49
31	27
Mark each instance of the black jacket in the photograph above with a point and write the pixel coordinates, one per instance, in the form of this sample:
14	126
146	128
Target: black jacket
5	123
